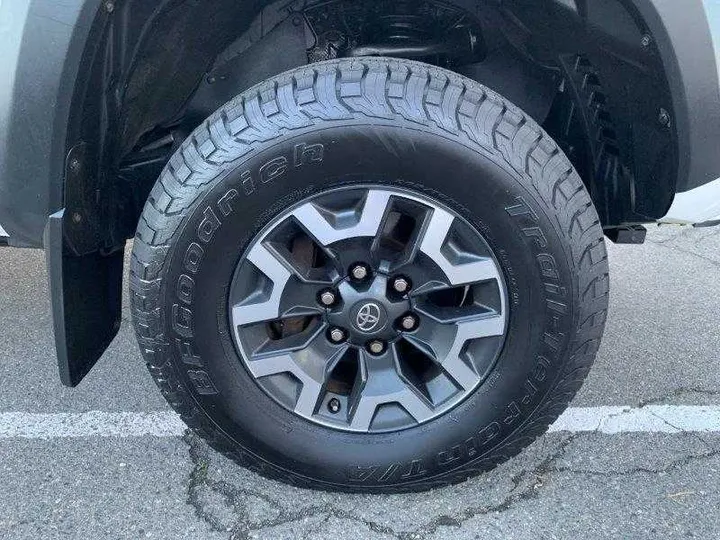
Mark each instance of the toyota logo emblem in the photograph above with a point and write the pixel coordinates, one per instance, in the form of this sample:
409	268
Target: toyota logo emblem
368	317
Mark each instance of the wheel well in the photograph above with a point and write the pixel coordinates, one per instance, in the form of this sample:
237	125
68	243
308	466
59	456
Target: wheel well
156	68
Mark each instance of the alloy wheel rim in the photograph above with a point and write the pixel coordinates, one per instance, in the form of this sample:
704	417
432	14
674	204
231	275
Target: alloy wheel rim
369	309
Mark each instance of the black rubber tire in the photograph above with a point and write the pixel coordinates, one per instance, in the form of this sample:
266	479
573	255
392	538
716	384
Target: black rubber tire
384	121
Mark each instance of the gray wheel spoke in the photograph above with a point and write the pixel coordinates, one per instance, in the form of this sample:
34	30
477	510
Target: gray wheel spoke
432	240
433	339
310	366
443	343
267	307
287	345
364	223
453	314
381	383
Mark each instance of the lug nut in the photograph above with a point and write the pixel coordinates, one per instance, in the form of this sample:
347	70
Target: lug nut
334	405
401	285
327	298
408	322
376	347
337	335
359	272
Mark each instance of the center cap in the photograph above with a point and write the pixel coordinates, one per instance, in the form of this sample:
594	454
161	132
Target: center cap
369	317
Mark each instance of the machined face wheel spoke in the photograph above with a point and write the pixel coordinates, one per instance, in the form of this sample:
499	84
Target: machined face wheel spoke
369	309
458	267
279	295
310	365
328	227
296	341
265	304
444	343
309	261
380	383
453	314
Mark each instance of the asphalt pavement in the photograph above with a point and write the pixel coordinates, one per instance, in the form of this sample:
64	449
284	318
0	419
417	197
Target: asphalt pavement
661	347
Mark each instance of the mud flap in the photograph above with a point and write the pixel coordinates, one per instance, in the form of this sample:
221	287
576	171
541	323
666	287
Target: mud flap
86	297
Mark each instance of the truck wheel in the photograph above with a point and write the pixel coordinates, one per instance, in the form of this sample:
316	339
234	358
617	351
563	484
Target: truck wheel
369	275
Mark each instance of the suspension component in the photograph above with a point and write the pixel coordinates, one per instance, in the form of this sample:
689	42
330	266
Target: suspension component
459	43
429	29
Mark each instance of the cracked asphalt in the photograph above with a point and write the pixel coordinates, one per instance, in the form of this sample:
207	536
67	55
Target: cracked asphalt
661	346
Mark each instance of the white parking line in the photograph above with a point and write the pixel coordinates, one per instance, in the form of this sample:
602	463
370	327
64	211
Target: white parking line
649	419
89	424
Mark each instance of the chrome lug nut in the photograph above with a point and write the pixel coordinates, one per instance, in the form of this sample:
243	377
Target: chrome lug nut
334	405
401	285
327	298
337	335
359	272
376	347
409	322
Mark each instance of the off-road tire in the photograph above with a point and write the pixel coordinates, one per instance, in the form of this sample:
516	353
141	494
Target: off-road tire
550	245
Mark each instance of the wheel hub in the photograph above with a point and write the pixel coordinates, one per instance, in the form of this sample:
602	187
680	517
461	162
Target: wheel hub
369	309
